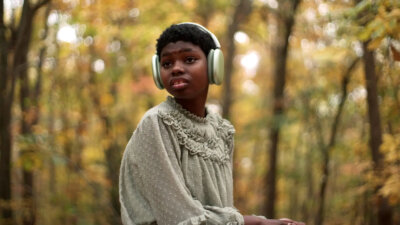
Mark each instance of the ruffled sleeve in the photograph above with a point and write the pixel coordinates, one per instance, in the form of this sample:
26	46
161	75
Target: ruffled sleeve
150	163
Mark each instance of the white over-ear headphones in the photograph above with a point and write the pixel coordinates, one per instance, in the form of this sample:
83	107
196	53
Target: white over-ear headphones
215	62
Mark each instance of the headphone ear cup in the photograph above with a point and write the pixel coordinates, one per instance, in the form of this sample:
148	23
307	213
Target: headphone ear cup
155	66
210	66
216	67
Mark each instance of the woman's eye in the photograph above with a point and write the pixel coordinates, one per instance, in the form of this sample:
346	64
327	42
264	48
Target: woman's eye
190	59
166	64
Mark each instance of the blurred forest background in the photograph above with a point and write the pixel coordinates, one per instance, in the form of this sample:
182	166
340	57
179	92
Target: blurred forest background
312	87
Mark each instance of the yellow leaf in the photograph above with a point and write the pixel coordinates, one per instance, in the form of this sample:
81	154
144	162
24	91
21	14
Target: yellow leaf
394	13
374	44
106	100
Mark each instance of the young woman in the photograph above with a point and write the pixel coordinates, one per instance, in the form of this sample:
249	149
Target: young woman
177	166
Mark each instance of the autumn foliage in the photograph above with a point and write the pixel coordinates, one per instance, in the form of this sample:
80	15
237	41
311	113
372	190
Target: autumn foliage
82	81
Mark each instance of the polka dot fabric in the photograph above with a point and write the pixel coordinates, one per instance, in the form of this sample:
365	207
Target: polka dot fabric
177	169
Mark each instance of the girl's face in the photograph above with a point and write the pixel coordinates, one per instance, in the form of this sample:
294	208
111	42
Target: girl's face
184	70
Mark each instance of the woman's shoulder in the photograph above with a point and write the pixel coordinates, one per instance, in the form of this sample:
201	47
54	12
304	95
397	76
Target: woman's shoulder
153	113
149	121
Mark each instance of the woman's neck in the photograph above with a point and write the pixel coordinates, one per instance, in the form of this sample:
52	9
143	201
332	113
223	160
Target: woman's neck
197	106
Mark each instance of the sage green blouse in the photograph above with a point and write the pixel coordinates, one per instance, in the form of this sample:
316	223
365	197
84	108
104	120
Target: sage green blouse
177	169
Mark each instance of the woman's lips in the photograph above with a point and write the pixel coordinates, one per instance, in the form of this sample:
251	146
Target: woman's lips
178	84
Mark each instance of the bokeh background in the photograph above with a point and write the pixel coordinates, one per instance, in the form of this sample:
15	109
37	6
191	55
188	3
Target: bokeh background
312	88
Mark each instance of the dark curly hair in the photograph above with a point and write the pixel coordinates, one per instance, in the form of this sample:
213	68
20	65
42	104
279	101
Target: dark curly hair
185	32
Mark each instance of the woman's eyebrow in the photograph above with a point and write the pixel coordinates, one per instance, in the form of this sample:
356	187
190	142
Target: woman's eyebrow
180	51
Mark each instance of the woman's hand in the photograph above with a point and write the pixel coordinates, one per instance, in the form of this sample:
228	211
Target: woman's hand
285	221
254	220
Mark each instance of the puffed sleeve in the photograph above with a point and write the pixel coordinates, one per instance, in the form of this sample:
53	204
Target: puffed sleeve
152	163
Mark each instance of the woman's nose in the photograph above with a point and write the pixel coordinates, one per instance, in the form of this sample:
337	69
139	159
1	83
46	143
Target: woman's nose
177	68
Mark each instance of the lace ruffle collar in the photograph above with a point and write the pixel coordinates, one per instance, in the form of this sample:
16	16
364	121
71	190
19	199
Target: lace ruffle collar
196	139
171	101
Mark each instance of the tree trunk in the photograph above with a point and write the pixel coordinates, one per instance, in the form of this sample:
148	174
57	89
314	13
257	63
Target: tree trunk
319	217
73	185
113	151
113	159
309	202
52	183
10	72
242	11
285	20
308	205
29	107
384	211
5	161
373	106
6	212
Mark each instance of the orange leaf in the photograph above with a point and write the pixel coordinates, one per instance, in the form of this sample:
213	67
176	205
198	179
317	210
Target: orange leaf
395	53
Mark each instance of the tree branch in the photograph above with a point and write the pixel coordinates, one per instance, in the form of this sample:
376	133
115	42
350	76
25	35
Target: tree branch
345	81
38	85
39	5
